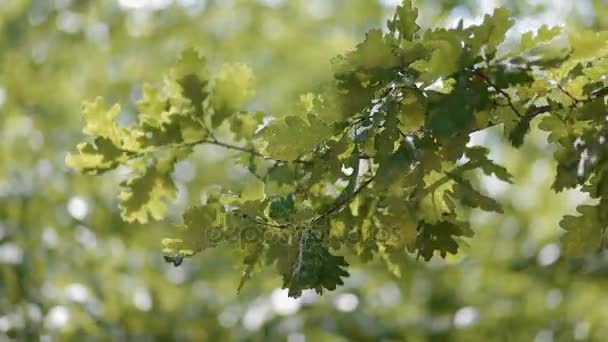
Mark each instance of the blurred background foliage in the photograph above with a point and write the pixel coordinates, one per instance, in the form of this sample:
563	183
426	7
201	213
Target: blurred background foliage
71	269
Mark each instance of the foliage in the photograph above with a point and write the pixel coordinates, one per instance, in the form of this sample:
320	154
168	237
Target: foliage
388	164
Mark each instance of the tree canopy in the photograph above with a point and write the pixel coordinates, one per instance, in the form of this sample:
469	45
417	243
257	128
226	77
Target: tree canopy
378	161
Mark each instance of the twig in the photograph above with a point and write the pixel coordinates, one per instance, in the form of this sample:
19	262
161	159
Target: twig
600	93
448	177
483	76
338	205
221	144
574	99
255	220
209	131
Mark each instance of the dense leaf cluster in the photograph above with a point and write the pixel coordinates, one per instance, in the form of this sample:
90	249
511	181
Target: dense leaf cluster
376	163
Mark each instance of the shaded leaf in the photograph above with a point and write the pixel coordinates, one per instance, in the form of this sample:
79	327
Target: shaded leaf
312	266
439	237
143	195
583	232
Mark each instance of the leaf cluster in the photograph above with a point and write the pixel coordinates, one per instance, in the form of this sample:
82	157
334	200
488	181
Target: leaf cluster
379	161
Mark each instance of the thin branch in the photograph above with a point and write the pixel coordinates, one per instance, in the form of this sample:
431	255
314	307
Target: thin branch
483	76
338	205
212	141
448	177
260	222
403	135
207	128
599	93
574	99
231	147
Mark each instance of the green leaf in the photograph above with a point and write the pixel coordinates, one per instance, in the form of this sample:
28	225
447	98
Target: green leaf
464	192
253	190
282	207
190	62
153	107
143	195
175	259
505	77
586	46
401	217
444	59
405	20
204	224
386	140
310	265
392	171
203	227
95	158
490	33
244	124
478	156
166	134
555	126
289	138
543	34
598	70
584	233
373	52
100	121
412	112
250	261
233	88
193	89
440	236
567	169
519	132
455	112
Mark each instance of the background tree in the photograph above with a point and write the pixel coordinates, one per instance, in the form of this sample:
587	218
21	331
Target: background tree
71	267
